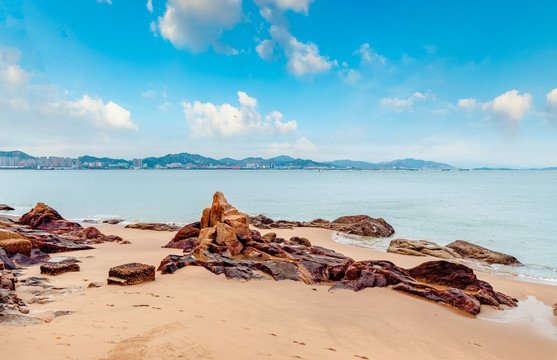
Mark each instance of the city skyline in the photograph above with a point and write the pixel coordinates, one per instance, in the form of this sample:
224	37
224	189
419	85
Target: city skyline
468	84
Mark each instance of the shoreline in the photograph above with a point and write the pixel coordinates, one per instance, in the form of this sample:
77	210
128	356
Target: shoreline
198	315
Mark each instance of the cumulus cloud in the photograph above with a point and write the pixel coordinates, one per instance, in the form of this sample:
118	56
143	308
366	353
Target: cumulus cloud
208	120
348	75
301	58
551	103
368	55
266	49
508	109
110	115
300	148
149	5
400	105
198	24
468	104
300	6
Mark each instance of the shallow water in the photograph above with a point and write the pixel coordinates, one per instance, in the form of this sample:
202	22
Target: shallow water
514	212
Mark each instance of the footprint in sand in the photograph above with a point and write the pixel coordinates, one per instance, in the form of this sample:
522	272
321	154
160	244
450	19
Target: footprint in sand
299	342
331	349
362	357
273	334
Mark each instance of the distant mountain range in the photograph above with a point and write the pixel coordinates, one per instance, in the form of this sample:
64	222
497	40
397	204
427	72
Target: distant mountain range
186	160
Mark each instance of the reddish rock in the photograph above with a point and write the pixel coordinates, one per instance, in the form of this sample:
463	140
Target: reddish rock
300	241
43	217
58	268
187	232
131	274
363	225
446	273
153	227
261	221
472	251
17	246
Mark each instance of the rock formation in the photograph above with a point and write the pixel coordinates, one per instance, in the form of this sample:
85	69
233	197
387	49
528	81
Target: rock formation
4	207
186	237
469	250
225	245
421	248
361	225
43	217
153	226
58	268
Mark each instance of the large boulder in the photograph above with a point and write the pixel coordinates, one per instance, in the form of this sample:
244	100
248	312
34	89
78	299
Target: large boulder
446	273
43	217
131	274
185	233
363	225
421	248
17	246
469	250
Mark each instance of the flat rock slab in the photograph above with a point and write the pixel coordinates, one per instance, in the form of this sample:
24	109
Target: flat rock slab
58	268
131	274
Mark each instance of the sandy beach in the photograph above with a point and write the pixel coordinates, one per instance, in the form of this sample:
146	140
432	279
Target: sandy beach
194	314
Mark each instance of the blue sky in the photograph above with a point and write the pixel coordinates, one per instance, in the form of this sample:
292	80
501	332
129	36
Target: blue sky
469	83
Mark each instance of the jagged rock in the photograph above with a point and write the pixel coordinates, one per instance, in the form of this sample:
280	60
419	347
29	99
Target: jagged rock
179	241
16	246
52	243
319	223
453	297
469	250
131	274
225	235
43	217
153	226
285	224
363	225
113	221
446	273
261	221
169	268
281	270
4	207
421	248
56	268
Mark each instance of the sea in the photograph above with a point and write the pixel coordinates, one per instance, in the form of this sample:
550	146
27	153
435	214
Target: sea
514	212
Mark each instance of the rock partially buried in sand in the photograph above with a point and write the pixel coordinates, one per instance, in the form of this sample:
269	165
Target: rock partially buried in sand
57	268
421	248
555	309
131	274
469	250
17	246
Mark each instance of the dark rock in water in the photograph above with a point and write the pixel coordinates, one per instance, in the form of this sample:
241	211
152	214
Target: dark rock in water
113	221
4	207
43	217
58	268
421	248
131	274
153	226
469	250
446	273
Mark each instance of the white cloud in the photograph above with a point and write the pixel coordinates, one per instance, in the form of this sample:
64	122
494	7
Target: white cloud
149	94
208	120
301	58
368	54
149	5
349	76
508	109
109	2
400	105
266	49
300	6
468	104
110	115
301	148
198	24
165	106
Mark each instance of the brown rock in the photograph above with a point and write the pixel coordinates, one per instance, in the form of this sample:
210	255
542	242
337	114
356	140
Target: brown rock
131	274
153	226
239	222
219	206
555	309
319	223
58	268
17	246
363	225
421	248
187	232
90	233
300	241
43	217
261	221
225	235
205	218
7	234
469	250
446	273
269	237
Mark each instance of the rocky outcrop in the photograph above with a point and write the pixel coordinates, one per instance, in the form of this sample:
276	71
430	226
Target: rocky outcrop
555	309
14	243
112	221
131	274
4	207
153	227
43	217
421	248
361	225
472	251
224	248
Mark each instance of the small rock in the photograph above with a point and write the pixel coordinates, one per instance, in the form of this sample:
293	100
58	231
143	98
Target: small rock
95	284
113	221
269	237
153	226
555	309
300	241
58	268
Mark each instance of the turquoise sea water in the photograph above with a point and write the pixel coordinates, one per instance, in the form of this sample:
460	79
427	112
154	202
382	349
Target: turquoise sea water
514	212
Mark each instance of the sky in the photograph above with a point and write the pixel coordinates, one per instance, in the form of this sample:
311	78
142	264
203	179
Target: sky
467	83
